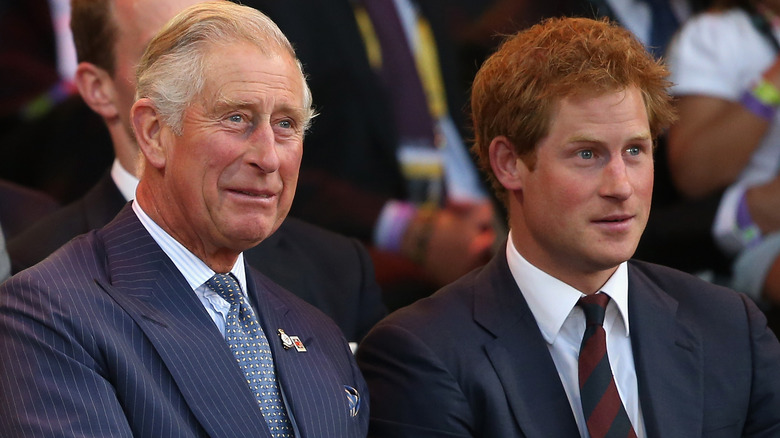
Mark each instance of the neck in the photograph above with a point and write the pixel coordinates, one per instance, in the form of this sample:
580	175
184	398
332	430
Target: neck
125	148
156	205
585	278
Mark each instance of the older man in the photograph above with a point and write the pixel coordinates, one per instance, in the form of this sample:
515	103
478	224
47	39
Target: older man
561	335
154	325
328	270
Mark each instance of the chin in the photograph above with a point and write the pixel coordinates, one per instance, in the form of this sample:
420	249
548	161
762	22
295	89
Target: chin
609	260
244	238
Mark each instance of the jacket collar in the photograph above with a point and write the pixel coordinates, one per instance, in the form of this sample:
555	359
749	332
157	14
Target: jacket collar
520	356
668	359
146	284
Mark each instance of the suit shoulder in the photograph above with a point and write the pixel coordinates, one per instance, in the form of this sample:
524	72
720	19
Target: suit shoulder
673	280
450	306
47	235
300	230
291	300
76	260
696	297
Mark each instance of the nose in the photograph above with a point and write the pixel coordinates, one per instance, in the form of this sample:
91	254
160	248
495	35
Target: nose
616	180
262	149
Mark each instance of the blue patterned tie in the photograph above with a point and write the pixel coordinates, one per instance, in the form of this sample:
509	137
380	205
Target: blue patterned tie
250	346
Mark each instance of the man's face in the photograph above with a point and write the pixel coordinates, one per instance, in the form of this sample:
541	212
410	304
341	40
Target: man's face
231	175
586	202
137	22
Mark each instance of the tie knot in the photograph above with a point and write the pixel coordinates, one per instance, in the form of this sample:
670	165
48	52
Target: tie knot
594	307
226	286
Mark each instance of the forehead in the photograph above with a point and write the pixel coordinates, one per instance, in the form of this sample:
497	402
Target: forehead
617	107
240	70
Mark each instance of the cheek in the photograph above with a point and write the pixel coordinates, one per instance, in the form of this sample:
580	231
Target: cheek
290	162
562	192
198	169
643	181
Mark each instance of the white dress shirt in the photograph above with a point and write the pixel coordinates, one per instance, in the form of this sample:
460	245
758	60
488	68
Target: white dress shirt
562	323
125	181
195	271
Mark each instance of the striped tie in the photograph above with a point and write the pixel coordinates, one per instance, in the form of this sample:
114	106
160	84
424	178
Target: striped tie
250	346
601	404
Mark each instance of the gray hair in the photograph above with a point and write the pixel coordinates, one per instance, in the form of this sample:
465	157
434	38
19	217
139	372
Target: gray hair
171	71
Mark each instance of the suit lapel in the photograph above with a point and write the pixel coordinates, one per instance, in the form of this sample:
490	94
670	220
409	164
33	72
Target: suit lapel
310	384
668	361
150	289
520	355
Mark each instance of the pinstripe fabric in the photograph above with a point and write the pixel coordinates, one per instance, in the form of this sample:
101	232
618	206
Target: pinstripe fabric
106	339
249	344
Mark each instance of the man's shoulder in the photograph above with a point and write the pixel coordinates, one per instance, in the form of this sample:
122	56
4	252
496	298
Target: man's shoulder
672	280
312	235
305	258
73	267
694	297
450	307
264	284
20	206
47	235
93	210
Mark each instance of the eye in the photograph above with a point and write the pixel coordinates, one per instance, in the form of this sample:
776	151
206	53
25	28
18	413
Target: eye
236	118
286	124
586	154
634	150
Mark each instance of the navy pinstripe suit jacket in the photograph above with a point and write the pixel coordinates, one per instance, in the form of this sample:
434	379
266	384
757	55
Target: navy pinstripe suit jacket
106	339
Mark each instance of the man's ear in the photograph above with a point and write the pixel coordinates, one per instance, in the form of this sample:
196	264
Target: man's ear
97	89
149	132
507	166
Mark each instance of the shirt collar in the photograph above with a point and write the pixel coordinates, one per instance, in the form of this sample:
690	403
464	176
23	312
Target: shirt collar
195	271
551	300
125	181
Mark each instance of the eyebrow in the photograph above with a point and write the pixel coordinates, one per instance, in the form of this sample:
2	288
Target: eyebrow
225	103
583	138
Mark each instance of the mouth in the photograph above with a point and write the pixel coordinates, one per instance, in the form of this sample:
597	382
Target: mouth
621	218
254	194
614	220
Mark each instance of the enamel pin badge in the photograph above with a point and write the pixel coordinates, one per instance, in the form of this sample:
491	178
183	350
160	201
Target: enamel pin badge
291	341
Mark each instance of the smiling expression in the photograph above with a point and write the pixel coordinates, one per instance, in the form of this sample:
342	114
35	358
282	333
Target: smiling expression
230	177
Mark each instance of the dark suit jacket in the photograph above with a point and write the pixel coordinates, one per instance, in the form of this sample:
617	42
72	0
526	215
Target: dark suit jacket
329	271
106	339
349	168
471	361
21	206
